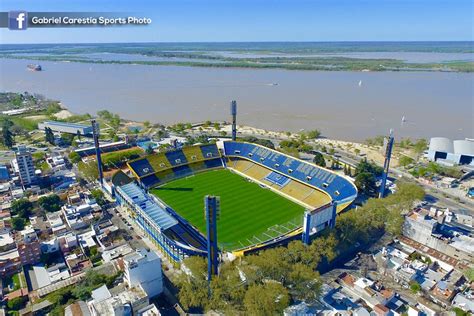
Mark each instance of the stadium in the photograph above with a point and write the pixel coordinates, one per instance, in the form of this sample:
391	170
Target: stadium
264	196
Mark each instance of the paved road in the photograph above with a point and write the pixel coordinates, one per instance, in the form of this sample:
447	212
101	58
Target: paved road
434	196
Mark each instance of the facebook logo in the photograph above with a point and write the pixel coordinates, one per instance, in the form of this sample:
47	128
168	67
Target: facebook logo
17	20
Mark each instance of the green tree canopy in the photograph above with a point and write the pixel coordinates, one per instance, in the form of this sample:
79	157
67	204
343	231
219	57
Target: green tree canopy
18	223
74	157
266	299
319	159
50	203
22	207
365	182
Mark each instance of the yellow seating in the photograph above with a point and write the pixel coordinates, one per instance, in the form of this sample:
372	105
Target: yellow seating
193	153
159	162
297	190
317	199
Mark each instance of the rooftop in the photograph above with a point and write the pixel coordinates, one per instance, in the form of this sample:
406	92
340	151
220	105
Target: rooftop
66	124
156	213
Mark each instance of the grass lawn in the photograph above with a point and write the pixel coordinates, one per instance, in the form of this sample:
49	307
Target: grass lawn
248	211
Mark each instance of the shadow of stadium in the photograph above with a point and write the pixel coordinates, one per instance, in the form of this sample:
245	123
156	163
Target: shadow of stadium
176	189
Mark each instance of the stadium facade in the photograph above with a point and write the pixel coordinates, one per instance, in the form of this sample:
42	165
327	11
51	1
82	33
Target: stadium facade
319	190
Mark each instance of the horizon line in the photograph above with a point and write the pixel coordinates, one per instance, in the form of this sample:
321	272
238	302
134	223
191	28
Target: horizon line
236	42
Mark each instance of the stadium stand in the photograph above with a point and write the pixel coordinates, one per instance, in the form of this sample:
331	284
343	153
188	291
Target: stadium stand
158	162
338	187
277	179
307	184
150	181
163	167
210	151
182	171
193	153
165	228
214	163
176	157
141	167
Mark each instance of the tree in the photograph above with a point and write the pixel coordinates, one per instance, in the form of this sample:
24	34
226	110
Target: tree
17	303
67	139
469	274
268	299
149	150
365	182
74	157
415	287
304	283
319	159
18	223
98	196
420	146
264	142
50	203
405	161
365	166
78	135
7	135
22	207
49	136
313	134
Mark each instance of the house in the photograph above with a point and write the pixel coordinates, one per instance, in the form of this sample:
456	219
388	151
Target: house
56	223
465	300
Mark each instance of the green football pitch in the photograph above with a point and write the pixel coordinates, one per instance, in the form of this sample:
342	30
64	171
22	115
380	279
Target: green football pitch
249	213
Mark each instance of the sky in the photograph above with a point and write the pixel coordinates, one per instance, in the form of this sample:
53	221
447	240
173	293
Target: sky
257	20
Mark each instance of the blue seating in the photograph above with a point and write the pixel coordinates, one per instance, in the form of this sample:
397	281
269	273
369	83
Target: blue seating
182	171
214	163
150	181
210	151
141	167
277	179
176	157
339	188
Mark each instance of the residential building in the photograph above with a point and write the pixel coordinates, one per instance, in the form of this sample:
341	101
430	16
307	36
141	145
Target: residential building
144	267
10	261
465	300
29	246
435	231
127	302
56	223
24	166
80	216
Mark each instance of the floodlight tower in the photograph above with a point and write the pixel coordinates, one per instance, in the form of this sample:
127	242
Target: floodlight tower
95	134
233	112
212	212
388	154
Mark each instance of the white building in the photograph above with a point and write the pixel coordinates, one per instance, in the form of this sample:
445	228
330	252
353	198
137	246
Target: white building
446	151
56	223
128	302
144	267
64	127
23	164
78	217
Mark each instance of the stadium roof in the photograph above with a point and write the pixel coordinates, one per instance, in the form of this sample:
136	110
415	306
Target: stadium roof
149	207
66	124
